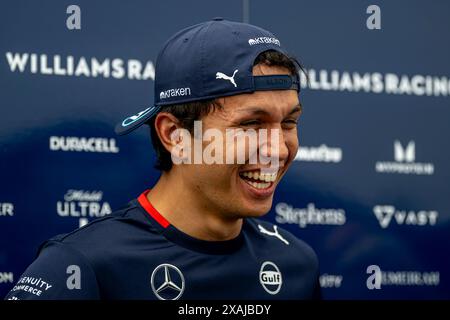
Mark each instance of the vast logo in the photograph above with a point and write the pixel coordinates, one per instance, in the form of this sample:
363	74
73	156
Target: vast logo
83	144
405	161
321	153
167	282
270	277
308	216
386	213
6	209
83	205
76	67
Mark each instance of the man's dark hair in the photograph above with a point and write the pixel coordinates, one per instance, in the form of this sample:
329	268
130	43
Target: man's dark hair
189	112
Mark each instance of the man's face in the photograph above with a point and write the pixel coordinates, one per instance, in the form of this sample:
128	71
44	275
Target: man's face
240	189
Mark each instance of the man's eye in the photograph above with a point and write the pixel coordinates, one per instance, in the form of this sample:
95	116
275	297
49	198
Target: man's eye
289	124
290	121
250	123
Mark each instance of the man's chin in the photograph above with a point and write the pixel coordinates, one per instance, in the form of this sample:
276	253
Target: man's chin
256	211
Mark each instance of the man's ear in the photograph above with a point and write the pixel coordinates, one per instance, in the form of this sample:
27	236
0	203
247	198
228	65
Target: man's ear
167	126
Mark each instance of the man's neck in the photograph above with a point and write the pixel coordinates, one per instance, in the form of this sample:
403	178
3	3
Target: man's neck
186	211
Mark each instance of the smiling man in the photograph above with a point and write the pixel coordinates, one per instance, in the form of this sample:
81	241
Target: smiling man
196	233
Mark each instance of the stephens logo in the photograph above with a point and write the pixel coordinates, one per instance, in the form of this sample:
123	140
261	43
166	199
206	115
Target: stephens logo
83	204
308	216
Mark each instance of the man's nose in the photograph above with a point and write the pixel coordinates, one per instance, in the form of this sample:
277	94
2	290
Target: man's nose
275	146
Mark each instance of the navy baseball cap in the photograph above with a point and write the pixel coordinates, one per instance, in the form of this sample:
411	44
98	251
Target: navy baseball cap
210	60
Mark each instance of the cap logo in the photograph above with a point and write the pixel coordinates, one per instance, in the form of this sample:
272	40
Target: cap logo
220	75
136	117
175	93
261	40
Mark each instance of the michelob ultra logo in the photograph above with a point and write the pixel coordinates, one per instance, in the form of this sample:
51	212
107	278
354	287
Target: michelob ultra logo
83	204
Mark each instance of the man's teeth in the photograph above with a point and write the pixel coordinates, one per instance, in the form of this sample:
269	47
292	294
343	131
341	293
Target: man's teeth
263	177
260	185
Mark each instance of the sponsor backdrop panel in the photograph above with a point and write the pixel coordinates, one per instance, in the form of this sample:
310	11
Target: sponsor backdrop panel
369	185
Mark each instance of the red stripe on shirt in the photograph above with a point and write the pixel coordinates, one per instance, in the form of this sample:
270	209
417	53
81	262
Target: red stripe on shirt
151	210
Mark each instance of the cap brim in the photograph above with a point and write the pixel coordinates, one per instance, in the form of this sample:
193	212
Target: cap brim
133	122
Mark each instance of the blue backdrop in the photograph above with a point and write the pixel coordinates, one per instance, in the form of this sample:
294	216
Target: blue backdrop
370	185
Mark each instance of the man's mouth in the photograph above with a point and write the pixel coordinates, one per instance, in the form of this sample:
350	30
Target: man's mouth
259	180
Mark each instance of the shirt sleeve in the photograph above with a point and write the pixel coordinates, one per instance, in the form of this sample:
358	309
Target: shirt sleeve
59	272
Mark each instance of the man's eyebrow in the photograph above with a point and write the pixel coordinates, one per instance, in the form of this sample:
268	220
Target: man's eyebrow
260	111
254	111
296	108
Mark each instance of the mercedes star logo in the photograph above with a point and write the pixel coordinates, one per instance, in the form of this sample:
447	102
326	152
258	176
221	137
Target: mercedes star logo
167	282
